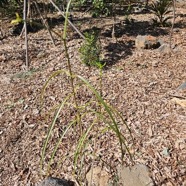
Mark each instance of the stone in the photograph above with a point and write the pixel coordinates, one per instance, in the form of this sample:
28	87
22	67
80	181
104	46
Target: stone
41	54
182	86
165	49
138	9
178	101
50	181
177	49
97	177
138	175
147	42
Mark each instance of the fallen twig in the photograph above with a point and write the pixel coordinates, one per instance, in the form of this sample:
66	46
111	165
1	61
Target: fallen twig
173	22
177	96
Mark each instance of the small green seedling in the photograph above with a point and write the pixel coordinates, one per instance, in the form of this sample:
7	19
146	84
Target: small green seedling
161	9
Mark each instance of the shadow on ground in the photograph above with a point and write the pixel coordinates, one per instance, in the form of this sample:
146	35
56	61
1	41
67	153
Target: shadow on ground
36	24
180	25
135	28
117	51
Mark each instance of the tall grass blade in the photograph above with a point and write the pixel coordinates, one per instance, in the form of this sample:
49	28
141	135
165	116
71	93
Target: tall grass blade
114	127
47	83
52	126
59	141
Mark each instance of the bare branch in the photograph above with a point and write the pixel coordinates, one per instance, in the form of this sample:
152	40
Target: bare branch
173	22
72	25
26	36
45	23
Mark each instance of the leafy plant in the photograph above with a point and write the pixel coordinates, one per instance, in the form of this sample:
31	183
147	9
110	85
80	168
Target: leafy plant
102	117
161	9
9	7
97	7
90	50
6	2
100	7
2	2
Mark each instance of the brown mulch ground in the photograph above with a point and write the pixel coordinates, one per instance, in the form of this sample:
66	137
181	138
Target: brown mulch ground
139	83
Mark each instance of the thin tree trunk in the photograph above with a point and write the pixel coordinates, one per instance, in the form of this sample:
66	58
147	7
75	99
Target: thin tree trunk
45	23
173	22
114	22
28	14
26	37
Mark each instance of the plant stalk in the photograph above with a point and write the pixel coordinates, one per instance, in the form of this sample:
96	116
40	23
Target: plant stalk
78	117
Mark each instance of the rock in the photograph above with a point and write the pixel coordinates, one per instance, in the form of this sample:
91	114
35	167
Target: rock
182	86
147	42
177	49
41	54
180	95
165	49
138	175
55	182
176	30
165	152
138	9
97	177
181	102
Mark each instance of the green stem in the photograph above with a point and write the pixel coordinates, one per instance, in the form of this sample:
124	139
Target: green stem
72	85
78	116
70	68
101	80
100	83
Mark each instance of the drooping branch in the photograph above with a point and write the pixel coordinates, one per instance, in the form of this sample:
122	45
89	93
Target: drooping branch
71	24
